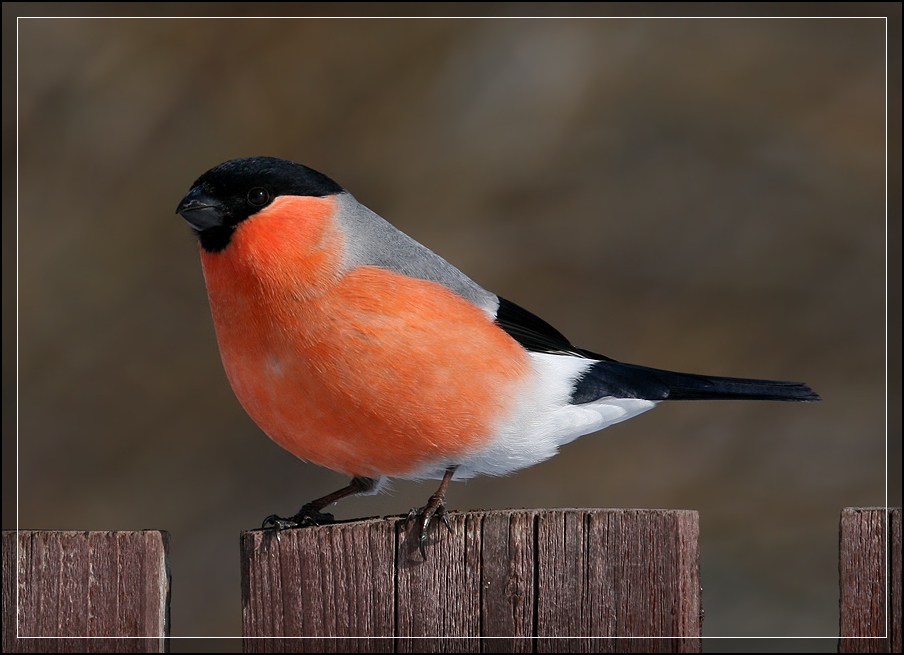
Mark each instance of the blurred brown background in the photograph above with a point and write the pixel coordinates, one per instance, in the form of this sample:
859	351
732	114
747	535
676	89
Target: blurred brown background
698	194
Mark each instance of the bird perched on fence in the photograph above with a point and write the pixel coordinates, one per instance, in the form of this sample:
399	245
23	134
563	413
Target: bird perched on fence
355	347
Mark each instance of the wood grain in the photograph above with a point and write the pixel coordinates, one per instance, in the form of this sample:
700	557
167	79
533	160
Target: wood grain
325	589
583	580
870	602
85	592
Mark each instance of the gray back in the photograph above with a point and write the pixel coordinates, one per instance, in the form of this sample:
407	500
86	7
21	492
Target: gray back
372	241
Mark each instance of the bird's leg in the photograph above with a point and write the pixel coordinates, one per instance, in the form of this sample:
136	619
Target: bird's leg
435	507
310	514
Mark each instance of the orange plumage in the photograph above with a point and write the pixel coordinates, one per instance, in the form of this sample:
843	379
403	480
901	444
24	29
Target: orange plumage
367	372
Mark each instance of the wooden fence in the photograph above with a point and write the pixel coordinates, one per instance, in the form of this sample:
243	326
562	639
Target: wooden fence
103	592
498	581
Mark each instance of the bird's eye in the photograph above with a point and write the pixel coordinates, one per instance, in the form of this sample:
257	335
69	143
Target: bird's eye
258	197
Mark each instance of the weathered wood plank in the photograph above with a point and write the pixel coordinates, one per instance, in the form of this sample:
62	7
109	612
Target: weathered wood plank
646	579
870	603
612	576
561	583
85	592
508	580
438	597
498	581
306	590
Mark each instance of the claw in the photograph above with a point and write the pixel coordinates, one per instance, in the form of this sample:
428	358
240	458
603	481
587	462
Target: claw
425	516
444	517
277	523
306	516
435	507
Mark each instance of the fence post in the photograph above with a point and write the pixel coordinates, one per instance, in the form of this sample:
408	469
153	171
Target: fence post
870	603
85	591
594	580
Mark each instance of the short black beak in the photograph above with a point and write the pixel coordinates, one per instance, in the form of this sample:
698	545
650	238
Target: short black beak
200	210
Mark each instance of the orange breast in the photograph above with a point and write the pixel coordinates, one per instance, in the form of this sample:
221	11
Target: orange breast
368	372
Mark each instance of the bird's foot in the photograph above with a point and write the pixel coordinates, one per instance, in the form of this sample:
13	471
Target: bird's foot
308	515
423	517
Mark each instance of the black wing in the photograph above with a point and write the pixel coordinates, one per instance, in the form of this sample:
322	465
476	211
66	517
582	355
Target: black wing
535	334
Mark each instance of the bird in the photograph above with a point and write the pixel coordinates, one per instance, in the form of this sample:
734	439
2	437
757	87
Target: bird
354	347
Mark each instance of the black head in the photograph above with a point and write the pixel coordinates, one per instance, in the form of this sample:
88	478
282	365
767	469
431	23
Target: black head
229	193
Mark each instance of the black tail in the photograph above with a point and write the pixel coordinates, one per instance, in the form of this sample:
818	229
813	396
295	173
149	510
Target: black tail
611	378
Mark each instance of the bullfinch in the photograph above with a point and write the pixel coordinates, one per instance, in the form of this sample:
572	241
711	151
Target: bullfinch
353	346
